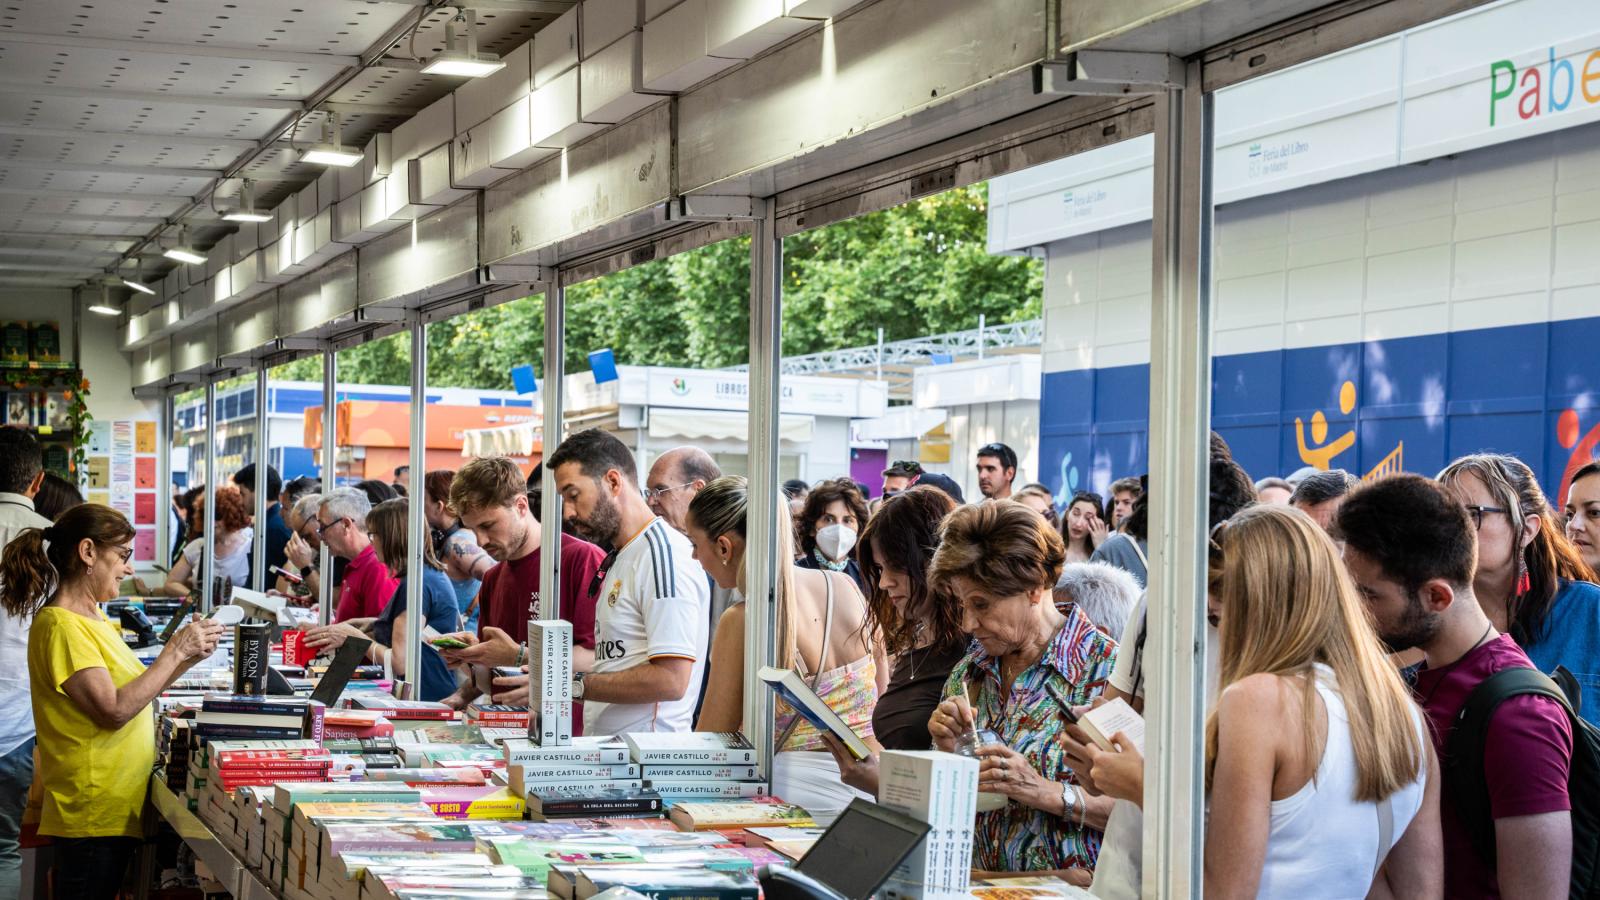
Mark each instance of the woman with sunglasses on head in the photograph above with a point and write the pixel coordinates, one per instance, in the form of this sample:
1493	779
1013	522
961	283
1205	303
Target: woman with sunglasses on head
1319	767
1531	581
93	702
822	634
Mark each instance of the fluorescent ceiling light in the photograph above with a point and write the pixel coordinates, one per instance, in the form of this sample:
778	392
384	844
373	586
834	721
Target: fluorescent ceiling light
136	286
330	155
103	310
240	215
461	57
184	255
247	211
463	66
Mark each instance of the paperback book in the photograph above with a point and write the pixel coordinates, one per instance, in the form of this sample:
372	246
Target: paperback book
690	748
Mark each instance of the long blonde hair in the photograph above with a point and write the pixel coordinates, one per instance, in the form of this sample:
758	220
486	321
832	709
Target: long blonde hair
720	508
1287	603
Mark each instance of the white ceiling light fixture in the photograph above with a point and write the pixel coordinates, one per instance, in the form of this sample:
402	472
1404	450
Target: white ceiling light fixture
247	211
103	307
461	58
183	252
332	151
137	283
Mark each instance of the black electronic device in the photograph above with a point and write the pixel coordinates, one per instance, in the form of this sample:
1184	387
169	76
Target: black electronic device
857	853
134	620
346	659
177	620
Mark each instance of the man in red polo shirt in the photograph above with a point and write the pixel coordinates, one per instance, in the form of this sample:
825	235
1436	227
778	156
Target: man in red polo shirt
490	496
368	586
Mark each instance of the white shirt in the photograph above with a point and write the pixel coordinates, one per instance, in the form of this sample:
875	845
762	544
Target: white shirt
1321	841
1120	866
233	556
16	704
655	603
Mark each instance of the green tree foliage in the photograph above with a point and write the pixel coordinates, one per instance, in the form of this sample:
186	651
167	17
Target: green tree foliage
921	268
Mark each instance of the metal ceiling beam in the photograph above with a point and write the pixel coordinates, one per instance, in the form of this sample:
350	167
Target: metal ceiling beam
95	93
22	130
108	169
531	7
187	50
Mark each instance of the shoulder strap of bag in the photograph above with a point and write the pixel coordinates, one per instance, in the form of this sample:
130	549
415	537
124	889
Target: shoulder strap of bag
1139	550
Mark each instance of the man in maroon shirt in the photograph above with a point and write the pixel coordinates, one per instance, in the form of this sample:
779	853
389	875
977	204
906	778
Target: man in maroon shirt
1411	549
490	496
368	587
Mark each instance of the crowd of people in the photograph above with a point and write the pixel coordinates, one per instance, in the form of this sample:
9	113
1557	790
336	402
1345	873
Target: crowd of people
1371	648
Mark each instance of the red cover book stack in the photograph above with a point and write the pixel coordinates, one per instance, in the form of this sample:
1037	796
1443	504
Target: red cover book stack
234	766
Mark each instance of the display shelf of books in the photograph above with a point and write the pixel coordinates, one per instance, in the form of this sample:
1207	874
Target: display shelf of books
239	879
49	399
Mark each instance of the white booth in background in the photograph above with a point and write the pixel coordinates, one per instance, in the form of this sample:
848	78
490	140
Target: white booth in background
957	408
653	409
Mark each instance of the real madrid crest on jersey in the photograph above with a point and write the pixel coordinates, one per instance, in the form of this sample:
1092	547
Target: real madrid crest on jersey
616	591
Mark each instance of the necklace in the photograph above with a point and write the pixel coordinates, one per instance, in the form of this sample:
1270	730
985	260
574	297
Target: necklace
1456	662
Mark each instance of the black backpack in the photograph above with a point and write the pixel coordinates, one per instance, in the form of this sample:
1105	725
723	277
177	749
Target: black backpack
1464	776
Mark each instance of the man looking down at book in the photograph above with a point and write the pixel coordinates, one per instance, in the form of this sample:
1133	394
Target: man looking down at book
1031	663
821	633
92	699
342	524
490	497
652	605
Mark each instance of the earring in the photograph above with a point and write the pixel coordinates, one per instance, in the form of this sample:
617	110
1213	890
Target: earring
1524	581
89	570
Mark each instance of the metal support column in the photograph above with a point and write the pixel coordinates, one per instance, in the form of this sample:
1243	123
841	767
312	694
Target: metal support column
416	524
764	514
208	555
551	431
330	424
258	556
1180	415
164	536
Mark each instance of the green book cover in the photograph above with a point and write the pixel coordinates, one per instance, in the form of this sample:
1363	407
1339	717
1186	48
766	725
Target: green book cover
46	342
534	858
15	342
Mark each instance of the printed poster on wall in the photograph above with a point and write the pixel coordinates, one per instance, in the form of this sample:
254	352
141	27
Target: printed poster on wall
121	473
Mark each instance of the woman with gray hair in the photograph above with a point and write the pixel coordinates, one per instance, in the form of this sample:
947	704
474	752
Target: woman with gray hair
1105	593
303	549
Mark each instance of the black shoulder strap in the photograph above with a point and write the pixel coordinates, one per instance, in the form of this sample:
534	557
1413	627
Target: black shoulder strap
1463	765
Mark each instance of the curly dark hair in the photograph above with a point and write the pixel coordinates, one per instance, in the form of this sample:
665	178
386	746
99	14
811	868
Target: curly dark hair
904	534
817	502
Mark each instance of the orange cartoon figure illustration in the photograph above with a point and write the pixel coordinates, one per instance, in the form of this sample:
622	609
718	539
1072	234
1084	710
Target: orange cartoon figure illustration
1321	456
1567	427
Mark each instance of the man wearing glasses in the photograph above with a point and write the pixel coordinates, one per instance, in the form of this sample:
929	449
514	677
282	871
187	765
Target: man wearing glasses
368	586
997	468
675	478
652	601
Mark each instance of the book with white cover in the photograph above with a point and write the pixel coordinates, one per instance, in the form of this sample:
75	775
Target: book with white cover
597	751
793	689
1104	721
686	747
942	790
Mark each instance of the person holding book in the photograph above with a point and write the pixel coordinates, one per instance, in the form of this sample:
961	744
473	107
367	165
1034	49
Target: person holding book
456	546
839	660
1321	779
92	700
653	602
387	527
231	544
919	627
1030	663
490	495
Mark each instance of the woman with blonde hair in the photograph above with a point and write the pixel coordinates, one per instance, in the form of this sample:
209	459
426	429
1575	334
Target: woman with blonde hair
1321	778
821	632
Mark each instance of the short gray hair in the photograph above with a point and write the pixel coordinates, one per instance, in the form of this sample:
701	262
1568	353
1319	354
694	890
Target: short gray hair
1105	593
306	507
347	502
1322	487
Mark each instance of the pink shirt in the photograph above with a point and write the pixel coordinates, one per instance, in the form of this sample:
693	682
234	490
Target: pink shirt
367	587
1526	757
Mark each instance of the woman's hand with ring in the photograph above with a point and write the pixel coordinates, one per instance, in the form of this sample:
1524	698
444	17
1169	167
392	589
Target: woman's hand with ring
1002	770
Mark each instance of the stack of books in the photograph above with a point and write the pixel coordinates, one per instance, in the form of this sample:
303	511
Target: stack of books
258	717
424	746
498	715
355	723
396	709
173	737
685	766
550	682
355	758
942	790
587	777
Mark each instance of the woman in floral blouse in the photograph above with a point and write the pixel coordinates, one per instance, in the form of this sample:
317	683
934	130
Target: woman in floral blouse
1030	661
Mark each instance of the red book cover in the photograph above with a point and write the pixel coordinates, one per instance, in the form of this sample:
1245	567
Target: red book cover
280	771
335	732
225	757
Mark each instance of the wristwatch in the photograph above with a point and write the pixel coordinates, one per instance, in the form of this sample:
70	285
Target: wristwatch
1070	798
577	686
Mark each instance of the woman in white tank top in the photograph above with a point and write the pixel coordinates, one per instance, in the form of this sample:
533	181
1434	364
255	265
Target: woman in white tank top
1320	775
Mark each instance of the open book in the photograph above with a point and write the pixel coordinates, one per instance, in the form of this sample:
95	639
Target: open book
794	691
1104	721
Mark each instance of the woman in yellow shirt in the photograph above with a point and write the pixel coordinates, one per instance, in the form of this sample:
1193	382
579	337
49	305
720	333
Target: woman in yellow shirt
91	696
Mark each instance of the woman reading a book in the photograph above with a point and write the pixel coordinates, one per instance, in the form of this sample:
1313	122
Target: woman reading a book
920	627
821	633
92	699
386	525
1030	662
1315	740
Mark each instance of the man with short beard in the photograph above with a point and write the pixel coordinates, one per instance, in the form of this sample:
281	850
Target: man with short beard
652	604
490	497
1411	549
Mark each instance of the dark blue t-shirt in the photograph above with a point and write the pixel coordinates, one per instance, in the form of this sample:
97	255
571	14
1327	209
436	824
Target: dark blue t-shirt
435	681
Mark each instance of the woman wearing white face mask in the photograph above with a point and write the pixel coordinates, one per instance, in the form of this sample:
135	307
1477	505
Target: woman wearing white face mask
822	633
828	526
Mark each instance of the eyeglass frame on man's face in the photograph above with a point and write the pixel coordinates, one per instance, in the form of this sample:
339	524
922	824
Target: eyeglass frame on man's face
322	527
1476	512
658	493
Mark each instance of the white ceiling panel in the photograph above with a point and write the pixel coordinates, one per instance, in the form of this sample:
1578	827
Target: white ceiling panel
102	182
113	151
327	26
105	113
130	70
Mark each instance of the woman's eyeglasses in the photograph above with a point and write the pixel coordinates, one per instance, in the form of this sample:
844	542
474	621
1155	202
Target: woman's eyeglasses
1476	512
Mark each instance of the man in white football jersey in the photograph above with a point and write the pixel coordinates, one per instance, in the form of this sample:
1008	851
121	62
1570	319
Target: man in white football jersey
652	603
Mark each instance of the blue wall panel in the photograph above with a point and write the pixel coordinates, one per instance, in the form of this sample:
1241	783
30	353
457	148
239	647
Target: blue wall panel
1529	390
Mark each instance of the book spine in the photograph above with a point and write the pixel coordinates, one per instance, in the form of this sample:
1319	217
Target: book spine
701	773
550	682
551	725
246	732
618	784
730	756
590	806
543	756
567	774
252	707
732	790
315	725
